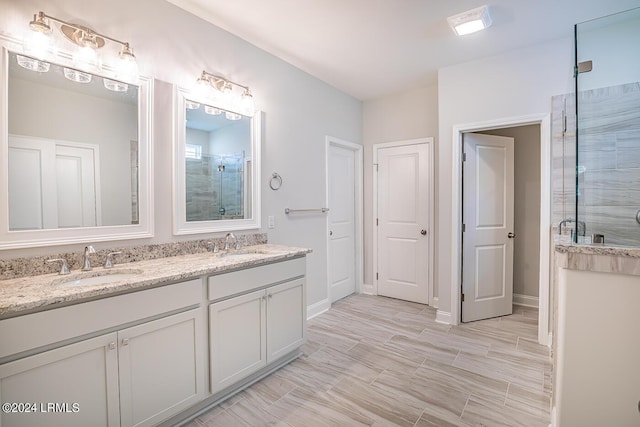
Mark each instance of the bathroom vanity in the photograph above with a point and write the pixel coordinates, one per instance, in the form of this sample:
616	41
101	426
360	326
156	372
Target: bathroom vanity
155	342
597	324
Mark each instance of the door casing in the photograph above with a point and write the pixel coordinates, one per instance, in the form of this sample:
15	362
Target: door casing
544	121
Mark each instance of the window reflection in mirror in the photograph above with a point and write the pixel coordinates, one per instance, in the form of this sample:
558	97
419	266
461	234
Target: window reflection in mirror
217	161
73	148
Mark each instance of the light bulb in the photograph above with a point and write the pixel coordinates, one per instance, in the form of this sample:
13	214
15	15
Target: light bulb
226	96
86	57
246	103
38	44
127	68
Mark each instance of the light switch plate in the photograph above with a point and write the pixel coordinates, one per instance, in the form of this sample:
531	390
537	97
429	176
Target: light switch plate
271	222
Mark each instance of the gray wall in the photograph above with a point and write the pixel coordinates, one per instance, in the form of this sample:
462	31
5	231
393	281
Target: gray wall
526	259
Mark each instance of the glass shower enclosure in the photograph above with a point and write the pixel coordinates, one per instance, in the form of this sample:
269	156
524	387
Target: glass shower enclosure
607	133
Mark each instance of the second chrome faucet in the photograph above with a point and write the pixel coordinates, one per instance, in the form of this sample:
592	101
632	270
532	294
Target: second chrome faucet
86	263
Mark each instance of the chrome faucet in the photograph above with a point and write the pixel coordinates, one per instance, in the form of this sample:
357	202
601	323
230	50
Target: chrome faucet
88	250
229	237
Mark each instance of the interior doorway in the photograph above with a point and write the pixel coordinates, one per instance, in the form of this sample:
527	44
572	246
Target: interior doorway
541	233
344	221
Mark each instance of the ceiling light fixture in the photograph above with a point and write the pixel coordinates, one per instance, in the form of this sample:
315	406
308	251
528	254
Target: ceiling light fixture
470	21
228	95
88	43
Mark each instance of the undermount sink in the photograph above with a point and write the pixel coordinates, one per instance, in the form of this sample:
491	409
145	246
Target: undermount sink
242	253
100	277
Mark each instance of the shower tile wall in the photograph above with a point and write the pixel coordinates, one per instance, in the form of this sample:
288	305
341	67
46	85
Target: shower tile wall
609	163
208	189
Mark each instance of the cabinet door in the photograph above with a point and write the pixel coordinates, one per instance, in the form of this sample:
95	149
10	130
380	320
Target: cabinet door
74	385
286	317
238	331
161	368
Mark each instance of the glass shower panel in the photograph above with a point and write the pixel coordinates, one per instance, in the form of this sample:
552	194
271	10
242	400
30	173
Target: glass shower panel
608	129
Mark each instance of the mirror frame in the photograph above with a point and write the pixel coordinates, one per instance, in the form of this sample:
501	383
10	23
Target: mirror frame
61	236
180	224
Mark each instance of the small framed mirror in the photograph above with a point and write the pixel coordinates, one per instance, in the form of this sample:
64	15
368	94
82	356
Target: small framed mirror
216	167
75	155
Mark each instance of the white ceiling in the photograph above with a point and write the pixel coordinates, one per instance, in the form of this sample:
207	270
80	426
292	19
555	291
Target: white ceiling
371	48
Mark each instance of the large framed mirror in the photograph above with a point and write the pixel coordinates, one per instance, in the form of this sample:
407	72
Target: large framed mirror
216	167
76	157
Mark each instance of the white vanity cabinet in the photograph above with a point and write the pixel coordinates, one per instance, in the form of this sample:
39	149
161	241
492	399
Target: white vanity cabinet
258	317
131	376
83	374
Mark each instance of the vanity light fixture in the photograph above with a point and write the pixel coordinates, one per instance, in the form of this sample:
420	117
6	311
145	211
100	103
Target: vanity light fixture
212	110
232	116
33	64
191	105
230	95
77	76
88	43
470	21
115	86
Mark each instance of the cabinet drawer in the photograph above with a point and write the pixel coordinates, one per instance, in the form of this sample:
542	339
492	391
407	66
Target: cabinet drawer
237	282
35	330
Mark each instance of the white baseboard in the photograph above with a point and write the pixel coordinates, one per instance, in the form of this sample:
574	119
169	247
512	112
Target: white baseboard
318	308
525	300
367	289
444	317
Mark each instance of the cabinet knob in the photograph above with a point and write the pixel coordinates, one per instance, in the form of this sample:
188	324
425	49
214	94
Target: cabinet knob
112	346
125	341
423	232
270	295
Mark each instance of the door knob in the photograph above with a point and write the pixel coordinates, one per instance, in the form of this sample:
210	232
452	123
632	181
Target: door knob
511	235
423	232
330	233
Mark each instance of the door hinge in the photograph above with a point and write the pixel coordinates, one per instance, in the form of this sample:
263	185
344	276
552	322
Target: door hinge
377	221
464	228
376	165
463	297
376	276
464	157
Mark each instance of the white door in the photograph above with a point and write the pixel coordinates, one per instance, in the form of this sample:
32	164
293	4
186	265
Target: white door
487	253
403	222
52	184
32	184
342	246
75	179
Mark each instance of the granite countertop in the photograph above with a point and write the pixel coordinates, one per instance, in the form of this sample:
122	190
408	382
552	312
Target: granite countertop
597	249
34	293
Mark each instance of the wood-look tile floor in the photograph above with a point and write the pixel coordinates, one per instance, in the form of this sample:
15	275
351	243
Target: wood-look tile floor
383	362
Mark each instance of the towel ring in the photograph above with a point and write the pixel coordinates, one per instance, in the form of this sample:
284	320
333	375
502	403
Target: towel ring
276	181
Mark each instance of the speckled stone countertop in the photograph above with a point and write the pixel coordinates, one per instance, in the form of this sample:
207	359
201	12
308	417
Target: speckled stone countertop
598	258
34	293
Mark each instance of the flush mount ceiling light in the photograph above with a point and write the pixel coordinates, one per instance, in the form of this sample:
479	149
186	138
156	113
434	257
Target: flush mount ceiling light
87	41
227	94
470	21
